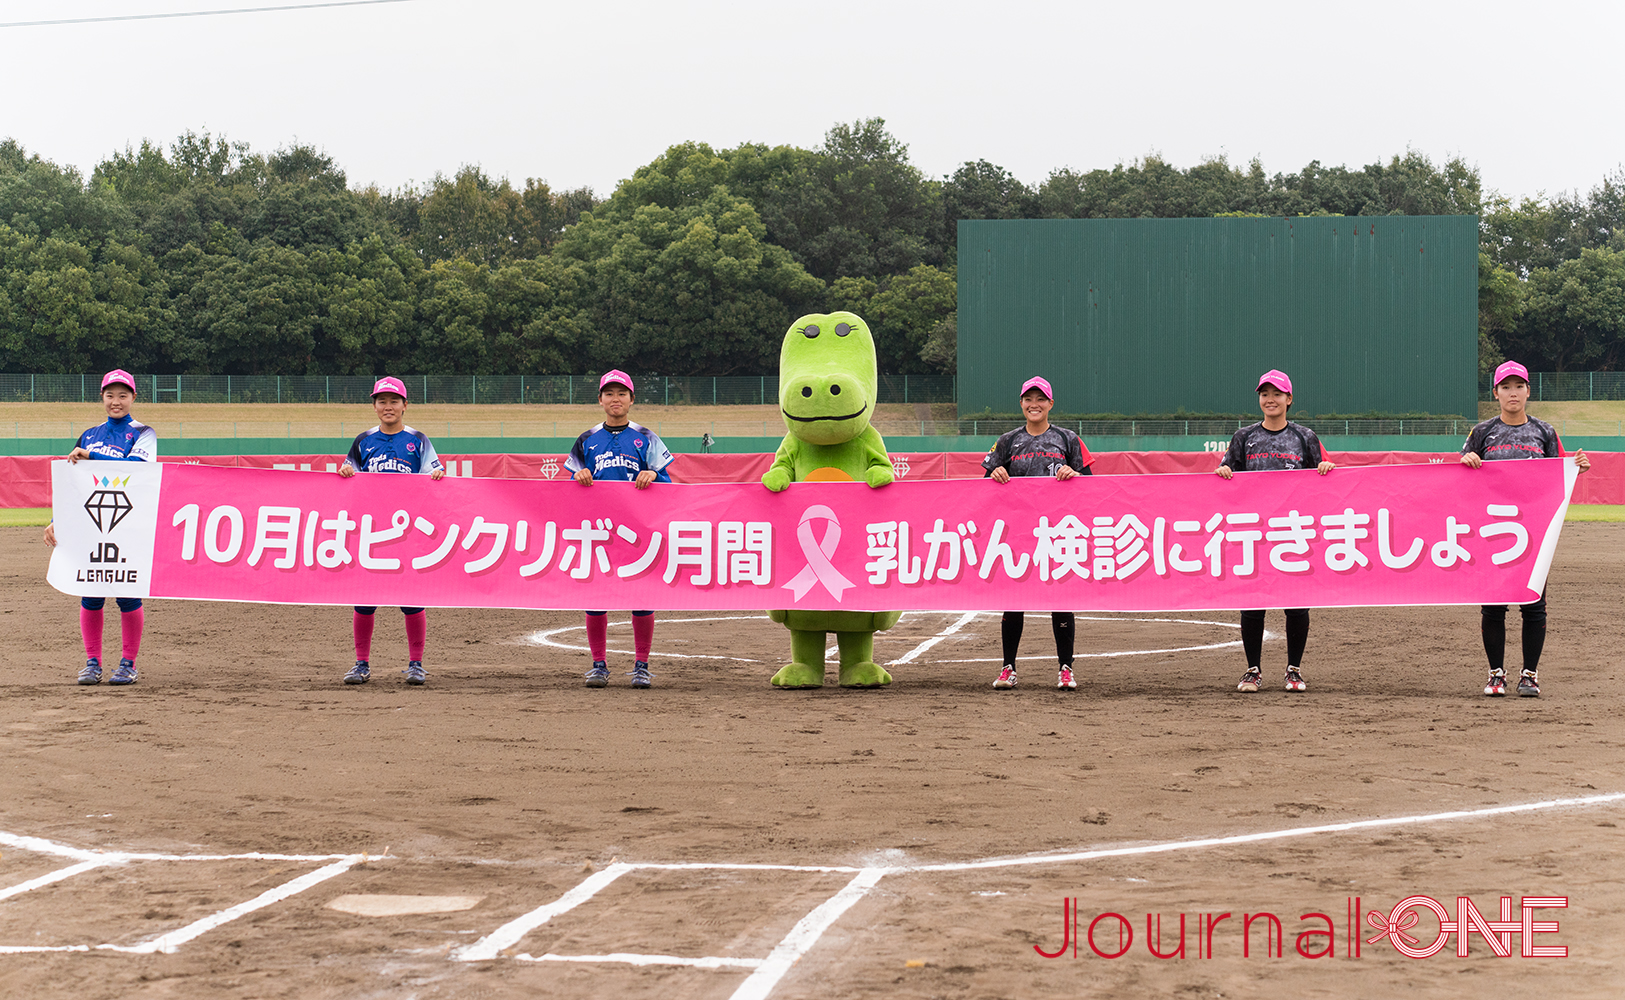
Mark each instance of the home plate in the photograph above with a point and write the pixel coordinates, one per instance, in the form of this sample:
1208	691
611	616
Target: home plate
394	906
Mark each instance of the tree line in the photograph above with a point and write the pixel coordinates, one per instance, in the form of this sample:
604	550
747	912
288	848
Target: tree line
209	257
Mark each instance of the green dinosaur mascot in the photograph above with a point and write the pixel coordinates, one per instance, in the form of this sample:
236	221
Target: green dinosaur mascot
828	382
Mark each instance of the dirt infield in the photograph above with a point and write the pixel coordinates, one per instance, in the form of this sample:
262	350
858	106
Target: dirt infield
505	779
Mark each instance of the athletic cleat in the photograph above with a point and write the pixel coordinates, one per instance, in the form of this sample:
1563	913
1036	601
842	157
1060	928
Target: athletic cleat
1250	680
1064	681
1497	685
1528	685
598	676
92	674
414	672
359	673
125	674
1295	681
1007	678
641	678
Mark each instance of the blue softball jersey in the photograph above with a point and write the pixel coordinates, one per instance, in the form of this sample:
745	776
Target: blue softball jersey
407	450
124	439
618	454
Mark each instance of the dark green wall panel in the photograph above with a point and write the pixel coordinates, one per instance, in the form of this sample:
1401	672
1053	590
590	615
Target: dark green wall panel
1370	313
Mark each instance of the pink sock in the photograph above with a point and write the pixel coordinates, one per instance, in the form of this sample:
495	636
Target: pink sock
363	636
598	636
643	635
130	623
417	630
90	626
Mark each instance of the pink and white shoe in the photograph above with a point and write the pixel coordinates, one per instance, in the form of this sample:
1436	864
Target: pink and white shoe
1007	678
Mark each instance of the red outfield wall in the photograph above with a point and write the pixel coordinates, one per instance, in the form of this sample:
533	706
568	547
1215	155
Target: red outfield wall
25	481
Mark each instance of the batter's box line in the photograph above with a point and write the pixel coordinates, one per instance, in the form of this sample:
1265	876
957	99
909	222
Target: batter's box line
767	972
170	941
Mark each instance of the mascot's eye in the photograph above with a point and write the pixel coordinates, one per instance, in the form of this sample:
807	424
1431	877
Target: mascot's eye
812	331
834	390
842	329
806	390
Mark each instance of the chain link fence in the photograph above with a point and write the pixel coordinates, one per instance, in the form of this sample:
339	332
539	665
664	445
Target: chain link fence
669	390
1564	387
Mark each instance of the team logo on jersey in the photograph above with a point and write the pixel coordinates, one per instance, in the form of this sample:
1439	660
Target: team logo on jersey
411	446
108	505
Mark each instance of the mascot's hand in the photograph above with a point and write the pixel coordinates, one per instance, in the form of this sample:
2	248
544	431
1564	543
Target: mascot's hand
881	475
776	479
778	616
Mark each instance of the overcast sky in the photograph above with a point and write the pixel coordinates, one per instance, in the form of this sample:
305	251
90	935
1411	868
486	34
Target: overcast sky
584	93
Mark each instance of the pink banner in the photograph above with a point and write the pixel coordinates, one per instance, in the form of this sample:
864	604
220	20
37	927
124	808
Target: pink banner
25	481
1383	535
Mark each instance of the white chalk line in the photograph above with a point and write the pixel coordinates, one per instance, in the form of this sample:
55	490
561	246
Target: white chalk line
709	962
509	934
168	942
546	638
767	972
807	932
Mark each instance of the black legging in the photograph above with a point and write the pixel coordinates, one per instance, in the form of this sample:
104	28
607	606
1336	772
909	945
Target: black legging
1252	636
1494	624
1062	622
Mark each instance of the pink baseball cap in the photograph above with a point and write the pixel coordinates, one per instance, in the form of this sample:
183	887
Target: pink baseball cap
1277	378
389	383
119	376
616	376
1041	383
1506	371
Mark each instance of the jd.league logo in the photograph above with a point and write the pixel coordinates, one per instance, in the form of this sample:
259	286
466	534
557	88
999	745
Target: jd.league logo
108	505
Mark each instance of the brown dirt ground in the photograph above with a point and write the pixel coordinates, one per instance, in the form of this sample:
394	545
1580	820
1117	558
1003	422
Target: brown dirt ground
504	778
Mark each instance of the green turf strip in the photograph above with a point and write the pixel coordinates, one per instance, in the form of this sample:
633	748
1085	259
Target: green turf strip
25	517
1596	512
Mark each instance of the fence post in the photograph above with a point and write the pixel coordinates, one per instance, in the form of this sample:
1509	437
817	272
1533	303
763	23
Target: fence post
570	388
761	389
228	390
1591	390
713	390
30	387
667	380
905	387
279	390
327	388
81	388
521	390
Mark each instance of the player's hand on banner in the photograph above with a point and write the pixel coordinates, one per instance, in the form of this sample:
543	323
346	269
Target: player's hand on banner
1325	467
1580	459
346	470
584	477
645	477
76	454
1471	460
438	474
1224	472
50	534
1065	472
1000	475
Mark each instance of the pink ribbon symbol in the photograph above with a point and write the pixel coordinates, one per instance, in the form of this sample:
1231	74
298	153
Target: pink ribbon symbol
1388	927
818	569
